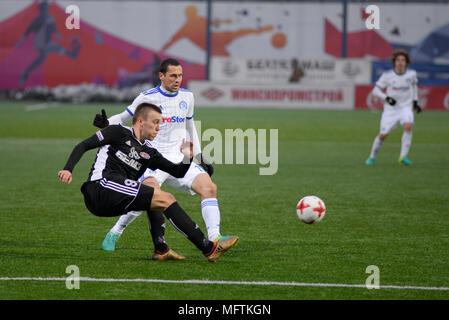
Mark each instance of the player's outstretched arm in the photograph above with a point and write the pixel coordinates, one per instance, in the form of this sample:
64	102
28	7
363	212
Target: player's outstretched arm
177	170
206	165
99	139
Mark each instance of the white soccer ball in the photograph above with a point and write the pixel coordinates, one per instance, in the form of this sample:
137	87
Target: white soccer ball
310	209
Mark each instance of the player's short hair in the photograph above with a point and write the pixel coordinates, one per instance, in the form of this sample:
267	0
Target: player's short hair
168	62
143	109
403	53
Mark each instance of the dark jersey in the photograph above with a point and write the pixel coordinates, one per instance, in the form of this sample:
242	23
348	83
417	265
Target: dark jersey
122	154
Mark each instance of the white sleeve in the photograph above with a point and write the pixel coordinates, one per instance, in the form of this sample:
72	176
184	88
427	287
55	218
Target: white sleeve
121	118
415	87
190	126
191	130
124	117
378	93
382	83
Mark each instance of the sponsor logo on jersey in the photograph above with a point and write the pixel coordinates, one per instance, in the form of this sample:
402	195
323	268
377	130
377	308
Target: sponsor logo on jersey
133	154
174	119
144	155
130	162
183	105
400	88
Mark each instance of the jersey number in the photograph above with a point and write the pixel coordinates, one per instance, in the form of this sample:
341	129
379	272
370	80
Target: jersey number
131	183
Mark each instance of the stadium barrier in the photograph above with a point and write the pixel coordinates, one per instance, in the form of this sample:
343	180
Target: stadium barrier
265	95
341	97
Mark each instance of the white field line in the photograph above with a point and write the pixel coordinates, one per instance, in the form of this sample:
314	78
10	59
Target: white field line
219	282
41	106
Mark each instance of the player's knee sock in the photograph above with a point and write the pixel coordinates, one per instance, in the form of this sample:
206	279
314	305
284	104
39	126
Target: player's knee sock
211	216
406	142
124	221
182	222
376	147
156	223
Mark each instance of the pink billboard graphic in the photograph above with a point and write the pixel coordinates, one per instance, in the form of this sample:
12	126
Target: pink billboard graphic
36	49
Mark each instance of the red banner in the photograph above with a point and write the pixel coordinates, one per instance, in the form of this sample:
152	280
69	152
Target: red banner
430	98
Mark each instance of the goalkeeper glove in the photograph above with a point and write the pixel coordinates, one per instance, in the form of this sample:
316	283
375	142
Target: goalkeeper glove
416	106
205	164
390	101
101	120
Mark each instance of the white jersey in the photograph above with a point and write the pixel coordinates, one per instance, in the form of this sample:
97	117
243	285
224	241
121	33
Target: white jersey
177	110
401	87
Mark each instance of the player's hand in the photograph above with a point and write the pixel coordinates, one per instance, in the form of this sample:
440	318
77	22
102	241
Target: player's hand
65	176
390	101
187	148
416	106
206	165
101	120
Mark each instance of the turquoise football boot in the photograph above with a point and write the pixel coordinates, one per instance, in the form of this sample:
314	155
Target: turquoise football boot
405	160
109	241
369	161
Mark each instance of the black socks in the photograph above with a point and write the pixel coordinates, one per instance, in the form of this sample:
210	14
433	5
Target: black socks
182	222
156	223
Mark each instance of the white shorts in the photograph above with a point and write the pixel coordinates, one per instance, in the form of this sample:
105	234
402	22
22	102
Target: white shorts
182	184
390	120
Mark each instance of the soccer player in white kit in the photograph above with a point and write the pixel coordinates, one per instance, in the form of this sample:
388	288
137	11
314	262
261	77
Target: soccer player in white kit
177	105
401	95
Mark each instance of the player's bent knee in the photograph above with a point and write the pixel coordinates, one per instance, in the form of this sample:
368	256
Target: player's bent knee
168	200
383	136
161	200
152	182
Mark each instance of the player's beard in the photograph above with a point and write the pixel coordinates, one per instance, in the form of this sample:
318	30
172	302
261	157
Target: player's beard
173	88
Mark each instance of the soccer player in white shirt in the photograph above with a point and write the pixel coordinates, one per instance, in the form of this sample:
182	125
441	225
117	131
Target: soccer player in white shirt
401	95
177	105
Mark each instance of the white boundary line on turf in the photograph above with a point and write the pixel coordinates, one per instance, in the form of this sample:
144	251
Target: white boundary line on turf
246	283
41	106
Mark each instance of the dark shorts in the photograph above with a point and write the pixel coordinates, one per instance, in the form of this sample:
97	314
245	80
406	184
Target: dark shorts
116	196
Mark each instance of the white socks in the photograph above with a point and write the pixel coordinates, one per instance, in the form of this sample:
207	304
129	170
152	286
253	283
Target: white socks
376	147
406	142
211	216
124	220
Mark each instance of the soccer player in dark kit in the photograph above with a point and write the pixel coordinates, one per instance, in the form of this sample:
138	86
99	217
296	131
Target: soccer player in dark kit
112	188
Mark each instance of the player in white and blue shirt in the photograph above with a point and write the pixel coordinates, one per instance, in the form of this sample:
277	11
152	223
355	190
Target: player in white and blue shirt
177	105
401	98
